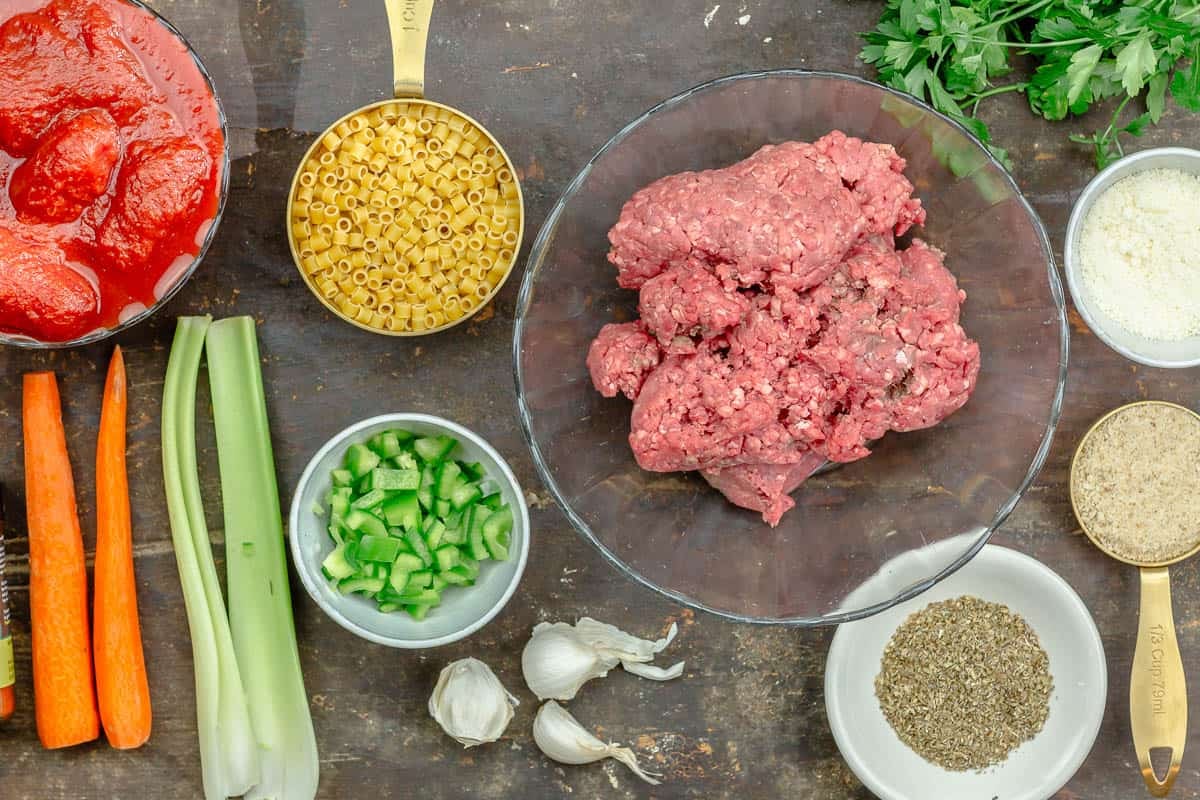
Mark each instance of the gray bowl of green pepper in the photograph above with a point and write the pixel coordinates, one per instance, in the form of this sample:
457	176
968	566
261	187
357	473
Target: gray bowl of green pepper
409	530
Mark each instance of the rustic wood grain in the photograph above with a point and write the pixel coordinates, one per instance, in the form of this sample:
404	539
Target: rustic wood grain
553	79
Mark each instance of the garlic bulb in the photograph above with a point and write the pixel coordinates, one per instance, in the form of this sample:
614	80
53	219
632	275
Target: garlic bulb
470	703
560	658
562	738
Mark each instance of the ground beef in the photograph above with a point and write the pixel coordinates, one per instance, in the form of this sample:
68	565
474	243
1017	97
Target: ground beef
688	301
786	214
763	487
620	358
780	326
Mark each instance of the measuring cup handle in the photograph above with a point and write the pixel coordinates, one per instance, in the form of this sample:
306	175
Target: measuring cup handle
409	23
1157	688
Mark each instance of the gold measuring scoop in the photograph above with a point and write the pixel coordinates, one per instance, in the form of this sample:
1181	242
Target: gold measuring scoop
405	217
1157	687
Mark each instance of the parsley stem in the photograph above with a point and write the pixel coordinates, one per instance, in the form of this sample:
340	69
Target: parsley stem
1063	43
995	90
1116	117
1018	14
1031	45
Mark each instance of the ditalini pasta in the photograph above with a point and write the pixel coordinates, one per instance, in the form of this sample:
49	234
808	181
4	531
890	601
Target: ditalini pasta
405	217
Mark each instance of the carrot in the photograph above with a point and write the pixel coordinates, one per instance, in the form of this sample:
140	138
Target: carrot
63	692
121	683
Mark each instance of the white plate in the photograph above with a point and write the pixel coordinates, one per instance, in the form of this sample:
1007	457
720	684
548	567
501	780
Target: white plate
1038	768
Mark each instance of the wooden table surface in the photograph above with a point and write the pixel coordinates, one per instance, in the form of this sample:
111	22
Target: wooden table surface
553	79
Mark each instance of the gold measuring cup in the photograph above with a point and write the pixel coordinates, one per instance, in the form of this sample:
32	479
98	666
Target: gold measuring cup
408	21
1157	686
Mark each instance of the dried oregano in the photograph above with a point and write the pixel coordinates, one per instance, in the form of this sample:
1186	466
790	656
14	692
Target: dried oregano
964	682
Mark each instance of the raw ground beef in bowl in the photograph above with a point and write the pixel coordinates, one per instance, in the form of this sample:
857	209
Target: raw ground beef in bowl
782	299
780	325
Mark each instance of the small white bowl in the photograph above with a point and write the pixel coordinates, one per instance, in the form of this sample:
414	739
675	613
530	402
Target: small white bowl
1151	352
1035	770
463	610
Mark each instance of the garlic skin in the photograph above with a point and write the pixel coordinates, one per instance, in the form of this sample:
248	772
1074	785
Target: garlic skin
560	658
562	738
471	704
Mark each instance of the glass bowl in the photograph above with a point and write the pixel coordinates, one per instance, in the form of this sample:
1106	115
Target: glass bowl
961	478
167	292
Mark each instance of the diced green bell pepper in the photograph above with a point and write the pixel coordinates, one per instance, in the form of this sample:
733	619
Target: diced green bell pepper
425	493
499	522
433	449
464	495
360	460
435	534
418	581
393	480
401	510
386	444
419	547
335	566
447	557
497	545
359	584
406	461
378	549
407	562
365	523
447	480
456	576
339	501
370	500
477	545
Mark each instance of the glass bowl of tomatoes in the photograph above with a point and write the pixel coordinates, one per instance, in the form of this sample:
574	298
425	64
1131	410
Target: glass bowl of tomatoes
114	168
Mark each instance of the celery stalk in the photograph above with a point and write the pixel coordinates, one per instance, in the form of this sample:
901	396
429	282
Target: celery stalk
264	633
227	755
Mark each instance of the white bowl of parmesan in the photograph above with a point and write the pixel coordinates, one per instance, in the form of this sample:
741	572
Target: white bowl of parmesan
1132	256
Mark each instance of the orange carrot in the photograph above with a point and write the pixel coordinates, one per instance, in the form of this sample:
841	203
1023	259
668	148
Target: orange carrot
120	665
63	693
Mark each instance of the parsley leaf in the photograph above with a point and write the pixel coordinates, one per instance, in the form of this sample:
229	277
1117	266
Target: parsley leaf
1156	97
1136	62
1185	85
956	54
1137	125
1079	72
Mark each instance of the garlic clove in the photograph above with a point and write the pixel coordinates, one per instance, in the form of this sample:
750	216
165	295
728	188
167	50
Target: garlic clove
560	658
556	662
470	703
560	736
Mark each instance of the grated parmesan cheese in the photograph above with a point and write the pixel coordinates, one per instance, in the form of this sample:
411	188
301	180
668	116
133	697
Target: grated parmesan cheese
1139	253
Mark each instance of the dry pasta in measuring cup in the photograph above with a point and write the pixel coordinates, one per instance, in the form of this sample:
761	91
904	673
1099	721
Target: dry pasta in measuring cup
405	217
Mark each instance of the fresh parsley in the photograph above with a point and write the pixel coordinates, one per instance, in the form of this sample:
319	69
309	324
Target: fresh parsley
956	53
